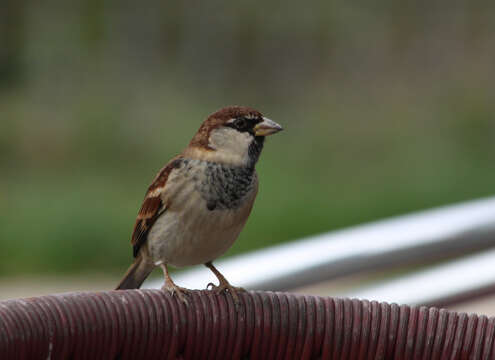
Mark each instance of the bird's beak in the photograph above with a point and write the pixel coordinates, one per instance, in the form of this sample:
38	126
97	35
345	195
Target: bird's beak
266	127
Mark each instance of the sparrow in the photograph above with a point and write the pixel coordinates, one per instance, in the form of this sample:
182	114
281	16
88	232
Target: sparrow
199	202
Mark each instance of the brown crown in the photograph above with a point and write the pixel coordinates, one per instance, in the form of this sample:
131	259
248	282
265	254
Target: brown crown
217	119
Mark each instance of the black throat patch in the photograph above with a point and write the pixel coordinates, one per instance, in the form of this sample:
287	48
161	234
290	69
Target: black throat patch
224	187
254	150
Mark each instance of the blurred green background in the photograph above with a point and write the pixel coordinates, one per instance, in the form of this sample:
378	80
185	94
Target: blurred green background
388	108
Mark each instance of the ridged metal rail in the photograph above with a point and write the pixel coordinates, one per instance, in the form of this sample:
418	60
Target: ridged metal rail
151	324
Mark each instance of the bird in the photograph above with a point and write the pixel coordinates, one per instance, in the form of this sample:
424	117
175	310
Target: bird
199	202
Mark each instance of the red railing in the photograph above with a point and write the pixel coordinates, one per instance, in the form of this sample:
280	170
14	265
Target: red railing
151	324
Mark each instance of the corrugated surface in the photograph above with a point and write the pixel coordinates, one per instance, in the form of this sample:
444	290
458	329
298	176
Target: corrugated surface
150	324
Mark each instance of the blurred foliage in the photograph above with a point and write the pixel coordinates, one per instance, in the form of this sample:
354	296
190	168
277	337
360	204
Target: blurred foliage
388	108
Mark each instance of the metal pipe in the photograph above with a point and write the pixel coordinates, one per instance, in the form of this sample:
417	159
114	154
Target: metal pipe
439	285
151	324
408	239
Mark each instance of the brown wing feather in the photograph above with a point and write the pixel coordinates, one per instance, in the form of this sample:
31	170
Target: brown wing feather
152	206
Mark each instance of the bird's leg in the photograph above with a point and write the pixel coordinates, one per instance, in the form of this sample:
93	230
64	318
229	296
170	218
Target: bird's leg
173	287
223	284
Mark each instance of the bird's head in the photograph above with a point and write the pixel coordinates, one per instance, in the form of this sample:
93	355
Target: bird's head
233	135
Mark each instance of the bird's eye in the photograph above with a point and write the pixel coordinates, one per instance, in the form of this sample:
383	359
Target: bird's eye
240	123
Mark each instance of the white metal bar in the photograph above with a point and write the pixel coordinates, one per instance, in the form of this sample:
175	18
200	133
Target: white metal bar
436	285
410	238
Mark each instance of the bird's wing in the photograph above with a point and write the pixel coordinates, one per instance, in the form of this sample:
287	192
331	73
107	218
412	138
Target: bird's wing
152	207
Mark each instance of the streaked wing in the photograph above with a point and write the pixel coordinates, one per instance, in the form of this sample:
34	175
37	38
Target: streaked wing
152	207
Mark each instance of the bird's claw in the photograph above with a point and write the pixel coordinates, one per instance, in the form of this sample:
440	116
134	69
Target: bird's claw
210	286
225	286
178	291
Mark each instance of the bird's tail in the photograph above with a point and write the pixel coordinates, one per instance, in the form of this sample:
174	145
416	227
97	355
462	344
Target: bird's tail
136	274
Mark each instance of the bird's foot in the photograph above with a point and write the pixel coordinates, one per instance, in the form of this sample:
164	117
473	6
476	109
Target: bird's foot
178	291
225	286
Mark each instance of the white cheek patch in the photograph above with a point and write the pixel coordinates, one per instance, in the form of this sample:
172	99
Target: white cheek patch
230	143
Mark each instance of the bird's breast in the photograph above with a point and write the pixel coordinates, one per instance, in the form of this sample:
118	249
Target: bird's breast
209	205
